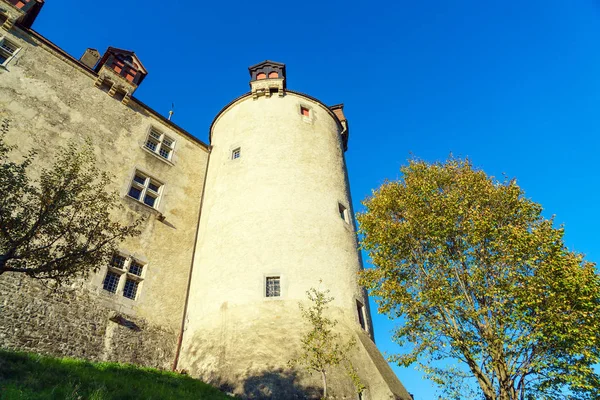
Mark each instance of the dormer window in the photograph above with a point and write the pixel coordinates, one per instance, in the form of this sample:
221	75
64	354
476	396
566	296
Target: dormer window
267	78
122	71
159	143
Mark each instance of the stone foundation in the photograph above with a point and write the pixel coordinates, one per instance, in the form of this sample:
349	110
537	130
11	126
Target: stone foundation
76	323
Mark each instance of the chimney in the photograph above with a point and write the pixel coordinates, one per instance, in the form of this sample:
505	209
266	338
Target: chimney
90	58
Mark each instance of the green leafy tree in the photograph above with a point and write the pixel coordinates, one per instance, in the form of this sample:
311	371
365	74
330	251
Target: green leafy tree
322	348
479	275
58	226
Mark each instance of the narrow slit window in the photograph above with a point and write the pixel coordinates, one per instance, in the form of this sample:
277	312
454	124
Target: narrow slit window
360	309
343	213
236	153
273	286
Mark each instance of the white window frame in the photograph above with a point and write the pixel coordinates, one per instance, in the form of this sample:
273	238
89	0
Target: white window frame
160	140
145	188
125	272
9	56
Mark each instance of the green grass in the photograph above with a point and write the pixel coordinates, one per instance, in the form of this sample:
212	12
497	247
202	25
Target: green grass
26	376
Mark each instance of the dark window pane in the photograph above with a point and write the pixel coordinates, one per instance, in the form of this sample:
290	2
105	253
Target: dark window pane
164	152
273	287
118	261
111	282
139	179
3	58
153	187
152	146
135	193
130	289
149	200
136	268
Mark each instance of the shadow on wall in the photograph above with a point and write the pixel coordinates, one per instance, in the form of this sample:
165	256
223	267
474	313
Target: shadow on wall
276	384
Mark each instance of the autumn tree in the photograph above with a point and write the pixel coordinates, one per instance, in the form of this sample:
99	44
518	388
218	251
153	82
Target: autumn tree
322	347
57	224
477	274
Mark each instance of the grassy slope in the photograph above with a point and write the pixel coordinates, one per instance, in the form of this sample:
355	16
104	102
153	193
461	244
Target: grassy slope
26	376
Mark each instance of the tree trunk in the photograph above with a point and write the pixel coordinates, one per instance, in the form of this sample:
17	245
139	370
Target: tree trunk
3	260
324	384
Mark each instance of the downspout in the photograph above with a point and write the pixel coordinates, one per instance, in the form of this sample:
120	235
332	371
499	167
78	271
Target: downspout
187	294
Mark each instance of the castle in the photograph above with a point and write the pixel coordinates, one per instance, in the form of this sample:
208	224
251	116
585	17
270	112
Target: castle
234	232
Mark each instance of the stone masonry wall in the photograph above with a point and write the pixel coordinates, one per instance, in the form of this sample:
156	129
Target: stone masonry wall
76	323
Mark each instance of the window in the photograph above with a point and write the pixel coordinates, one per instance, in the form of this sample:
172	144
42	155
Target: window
130	269
361	314
7	51
130	289
118	261
111	282
159	143
236	153
260	76
145	189
343	213
273	286
304	111
273	75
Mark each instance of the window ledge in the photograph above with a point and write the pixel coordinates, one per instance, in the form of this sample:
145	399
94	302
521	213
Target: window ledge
147	150
153	210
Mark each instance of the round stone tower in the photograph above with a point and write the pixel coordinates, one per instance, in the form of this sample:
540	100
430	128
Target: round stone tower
276	220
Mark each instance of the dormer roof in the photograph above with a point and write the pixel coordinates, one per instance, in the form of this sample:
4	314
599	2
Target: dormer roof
267	70
128	56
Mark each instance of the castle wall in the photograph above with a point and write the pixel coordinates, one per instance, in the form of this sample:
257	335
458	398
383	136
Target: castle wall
49	100
274	211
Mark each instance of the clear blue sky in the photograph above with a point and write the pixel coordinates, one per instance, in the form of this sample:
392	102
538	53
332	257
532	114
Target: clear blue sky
515	86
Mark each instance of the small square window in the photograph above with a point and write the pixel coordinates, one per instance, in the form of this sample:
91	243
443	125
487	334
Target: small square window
237	153
111	282
304	111
130	289
145	189
273	286
159	143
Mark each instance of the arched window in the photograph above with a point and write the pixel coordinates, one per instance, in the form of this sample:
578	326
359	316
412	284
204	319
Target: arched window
273	75
260	76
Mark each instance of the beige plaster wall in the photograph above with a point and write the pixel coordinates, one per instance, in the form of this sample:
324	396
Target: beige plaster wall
273	211
49	101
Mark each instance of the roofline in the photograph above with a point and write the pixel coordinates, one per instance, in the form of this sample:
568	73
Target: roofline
248	94
266	61
78	63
